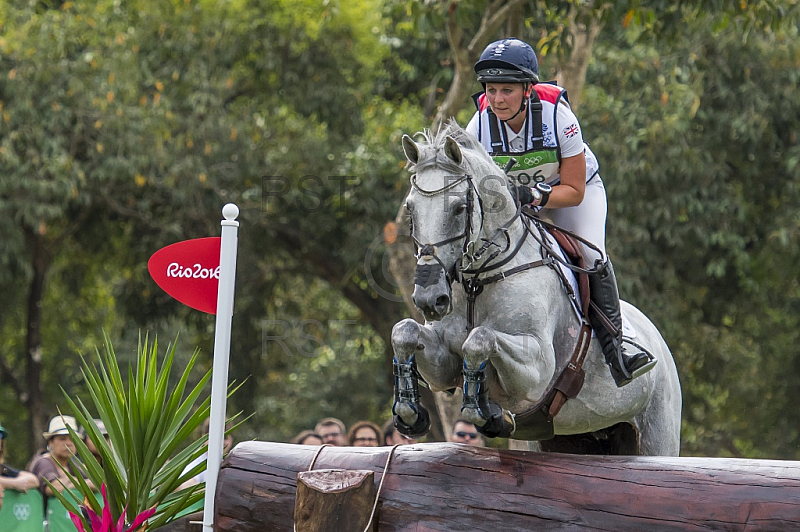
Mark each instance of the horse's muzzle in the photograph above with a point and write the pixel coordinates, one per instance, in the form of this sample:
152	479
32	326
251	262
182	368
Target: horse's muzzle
431	290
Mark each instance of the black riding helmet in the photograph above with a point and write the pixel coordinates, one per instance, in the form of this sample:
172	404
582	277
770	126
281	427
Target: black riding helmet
508	61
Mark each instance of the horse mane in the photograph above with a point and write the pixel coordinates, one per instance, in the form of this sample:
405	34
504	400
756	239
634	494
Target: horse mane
432	150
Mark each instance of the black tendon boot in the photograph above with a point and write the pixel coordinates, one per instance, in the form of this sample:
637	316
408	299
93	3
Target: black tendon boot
605	299
406	400
497	423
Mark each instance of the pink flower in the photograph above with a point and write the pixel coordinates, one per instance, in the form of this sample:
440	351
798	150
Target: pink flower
106	523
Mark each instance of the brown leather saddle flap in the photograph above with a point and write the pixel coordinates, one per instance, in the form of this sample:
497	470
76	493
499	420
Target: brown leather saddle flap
574	252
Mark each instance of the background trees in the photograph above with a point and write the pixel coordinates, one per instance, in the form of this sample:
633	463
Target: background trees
126	127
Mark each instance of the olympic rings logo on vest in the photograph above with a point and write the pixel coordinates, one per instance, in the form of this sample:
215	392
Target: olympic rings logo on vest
189	272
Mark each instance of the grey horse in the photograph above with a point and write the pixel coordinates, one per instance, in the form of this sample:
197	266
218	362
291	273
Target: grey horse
500	323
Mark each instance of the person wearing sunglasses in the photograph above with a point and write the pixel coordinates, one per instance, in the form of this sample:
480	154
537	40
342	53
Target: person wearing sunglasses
465	432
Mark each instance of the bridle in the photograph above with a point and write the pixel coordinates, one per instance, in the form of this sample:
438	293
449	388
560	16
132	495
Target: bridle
427	273
472	279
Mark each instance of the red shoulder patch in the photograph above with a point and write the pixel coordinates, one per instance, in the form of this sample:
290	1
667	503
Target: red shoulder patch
548	92
483	103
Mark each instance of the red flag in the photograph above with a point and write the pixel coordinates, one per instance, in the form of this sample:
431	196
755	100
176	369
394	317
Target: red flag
189	272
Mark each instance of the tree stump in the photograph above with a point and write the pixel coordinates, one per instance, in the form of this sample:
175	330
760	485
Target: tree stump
334	500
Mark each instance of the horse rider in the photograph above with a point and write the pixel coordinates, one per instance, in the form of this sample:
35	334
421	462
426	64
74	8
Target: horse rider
557	173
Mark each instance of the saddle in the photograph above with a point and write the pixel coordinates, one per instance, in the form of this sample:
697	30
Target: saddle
572	250
536	423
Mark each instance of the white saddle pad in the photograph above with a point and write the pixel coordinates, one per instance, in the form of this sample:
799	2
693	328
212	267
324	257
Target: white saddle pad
627	330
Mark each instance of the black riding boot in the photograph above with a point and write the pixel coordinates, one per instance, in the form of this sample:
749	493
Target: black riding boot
605	296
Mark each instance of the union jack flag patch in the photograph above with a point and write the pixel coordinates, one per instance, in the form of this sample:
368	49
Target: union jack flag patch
571	131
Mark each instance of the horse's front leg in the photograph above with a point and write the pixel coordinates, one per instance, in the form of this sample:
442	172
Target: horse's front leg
412	344
522	370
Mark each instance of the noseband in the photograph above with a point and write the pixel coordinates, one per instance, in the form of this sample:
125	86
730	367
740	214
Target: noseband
426	274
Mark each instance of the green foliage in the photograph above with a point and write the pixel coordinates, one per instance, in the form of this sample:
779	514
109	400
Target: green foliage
699	156
126	126
149	422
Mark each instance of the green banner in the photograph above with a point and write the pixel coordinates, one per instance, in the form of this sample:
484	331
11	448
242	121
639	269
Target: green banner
22	512
58	516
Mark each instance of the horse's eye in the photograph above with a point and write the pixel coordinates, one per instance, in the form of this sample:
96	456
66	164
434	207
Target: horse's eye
461	208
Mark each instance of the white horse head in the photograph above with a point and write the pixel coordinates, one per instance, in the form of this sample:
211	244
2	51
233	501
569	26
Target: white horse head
459	200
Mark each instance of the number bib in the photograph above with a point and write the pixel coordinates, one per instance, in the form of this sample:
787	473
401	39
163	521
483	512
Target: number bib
535	166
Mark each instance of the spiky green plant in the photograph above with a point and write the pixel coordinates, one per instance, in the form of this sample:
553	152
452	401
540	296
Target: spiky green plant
149	424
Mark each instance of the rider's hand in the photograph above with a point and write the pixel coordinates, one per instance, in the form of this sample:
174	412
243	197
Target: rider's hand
524	194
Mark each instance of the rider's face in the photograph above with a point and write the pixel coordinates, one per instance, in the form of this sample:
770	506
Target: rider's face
505	98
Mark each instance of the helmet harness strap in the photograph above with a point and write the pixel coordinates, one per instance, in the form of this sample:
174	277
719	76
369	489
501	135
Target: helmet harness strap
499	141
524	102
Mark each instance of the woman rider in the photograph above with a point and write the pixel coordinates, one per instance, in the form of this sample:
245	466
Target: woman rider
556	171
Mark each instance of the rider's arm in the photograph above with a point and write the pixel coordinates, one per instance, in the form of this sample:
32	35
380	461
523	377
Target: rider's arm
573	183
573	161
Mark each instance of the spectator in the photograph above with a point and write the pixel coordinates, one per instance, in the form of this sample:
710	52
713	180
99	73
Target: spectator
365	434
307	437
465	432
391	436
332	431
60	451
90	444
11	478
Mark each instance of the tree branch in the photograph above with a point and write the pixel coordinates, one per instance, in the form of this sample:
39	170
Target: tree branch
493	18
11	379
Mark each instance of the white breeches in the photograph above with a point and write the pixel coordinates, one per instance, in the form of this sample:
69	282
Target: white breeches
587	220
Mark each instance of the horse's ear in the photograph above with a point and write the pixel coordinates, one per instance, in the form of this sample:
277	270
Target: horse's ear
411	150
452	150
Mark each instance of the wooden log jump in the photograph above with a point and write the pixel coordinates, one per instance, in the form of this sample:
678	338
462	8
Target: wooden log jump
451	487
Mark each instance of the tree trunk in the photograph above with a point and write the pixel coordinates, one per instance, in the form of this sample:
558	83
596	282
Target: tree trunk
466	54
446	487
572	70
40	263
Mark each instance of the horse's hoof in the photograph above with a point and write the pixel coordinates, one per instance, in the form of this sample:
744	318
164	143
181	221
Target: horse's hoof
406	411
498	424
501	426
418	429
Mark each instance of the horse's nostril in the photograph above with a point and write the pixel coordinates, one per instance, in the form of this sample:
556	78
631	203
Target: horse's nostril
442	301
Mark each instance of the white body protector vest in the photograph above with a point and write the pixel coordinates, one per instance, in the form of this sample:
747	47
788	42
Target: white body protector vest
551	131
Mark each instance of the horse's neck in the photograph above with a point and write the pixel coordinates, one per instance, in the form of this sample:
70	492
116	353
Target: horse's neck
525	254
